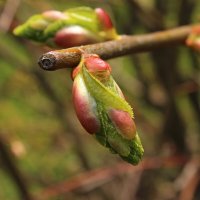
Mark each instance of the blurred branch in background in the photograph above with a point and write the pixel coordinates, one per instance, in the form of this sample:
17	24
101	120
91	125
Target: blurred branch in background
98	177
9	165
150	18
189	179
8	14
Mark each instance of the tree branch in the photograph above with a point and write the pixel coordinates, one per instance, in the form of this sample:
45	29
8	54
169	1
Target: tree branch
69	58
8	14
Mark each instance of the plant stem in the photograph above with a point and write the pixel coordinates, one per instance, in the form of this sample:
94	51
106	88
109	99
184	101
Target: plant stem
69	58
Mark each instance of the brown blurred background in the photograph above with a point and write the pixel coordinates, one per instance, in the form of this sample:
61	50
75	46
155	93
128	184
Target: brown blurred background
44	151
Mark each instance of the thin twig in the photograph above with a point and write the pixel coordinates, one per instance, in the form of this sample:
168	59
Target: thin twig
13	170
69	58
188	180
130	186
8	14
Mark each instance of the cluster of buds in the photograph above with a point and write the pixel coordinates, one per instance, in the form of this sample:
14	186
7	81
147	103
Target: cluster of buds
73	27
102	110
99	102
193	40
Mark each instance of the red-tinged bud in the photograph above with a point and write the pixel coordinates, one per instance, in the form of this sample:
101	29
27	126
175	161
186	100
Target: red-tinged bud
74	36
196	29
97	67
53	15
123	123
104	19
85	106
193	40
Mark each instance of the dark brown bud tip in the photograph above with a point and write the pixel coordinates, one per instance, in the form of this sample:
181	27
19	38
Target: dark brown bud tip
47	62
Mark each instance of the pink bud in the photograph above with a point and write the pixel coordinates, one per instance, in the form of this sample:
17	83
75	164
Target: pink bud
53	15
123	122
104	19
74	36
196	29
98	67
85	106
193	40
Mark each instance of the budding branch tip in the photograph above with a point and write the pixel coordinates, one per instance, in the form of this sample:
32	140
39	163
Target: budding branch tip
47	62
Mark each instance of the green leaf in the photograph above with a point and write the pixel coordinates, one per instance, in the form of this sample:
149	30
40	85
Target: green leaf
32	29
103	94
84	16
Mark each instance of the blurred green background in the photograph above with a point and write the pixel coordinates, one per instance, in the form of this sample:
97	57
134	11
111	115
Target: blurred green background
43	144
